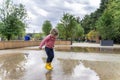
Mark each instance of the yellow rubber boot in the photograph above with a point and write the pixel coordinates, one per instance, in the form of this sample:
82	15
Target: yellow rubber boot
47	66
50	65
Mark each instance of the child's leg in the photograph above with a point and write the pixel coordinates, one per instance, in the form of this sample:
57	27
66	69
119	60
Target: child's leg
50	56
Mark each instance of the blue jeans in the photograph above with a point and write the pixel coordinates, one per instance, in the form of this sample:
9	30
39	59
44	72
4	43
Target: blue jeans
50	54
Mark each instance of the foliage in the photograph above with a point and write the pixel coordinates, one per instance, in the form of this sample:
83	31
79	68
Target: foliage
69	27
105	27
106	19
61	30
37	36
92	35
114	9
85	22
46	27
69	24
108	24
89	21
79	31
13	19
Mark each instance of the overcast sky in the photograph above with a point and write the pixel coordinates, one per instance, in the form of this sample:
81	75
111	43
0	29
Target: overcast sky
52	10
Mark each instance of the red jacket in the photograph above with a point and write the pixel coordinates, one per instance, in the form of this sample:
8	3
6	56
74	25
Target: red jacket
48	41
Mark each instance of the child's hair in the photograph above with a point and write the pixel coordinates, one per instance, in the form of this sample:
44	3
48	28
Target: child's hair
54	32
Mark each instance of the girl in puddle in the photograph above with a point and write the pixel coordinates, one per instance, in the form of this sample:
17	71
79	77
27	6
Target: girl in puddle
49	41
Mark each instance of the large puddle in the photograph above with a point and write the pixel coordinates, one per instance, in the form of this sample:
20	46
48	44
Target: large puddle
29	65
88	49
67	48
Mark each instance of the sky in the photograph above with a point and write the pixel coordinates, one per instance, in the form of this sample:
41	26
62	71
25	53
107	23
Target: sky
40	10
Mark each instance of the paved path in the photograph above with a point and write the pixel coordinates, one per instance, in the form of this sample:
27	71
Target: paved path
94	45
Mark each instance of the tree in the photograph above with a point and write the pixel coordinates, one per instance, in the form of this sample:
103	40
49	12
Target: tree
108	24
69	23
69	27
104	26
13	19
92	35
79	31
89	21
46	27
113	8
61	30
85	22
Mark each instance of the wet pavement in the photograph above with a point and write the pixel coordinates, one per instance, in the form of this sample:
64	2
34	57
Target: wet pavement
28	64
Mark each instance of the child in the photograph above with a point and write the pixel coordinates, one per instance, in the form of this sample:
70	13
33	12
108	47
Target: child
49	41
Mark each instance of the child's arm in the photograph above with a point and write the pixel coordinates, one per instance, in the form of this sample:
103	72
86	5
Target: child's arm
44	41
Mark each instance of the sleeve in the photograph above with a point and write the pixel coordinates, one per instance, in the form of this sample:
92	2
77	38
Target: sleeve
44	41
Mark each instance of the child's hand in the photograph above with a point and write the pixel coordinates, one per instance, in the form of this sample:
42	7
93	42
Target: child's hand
40	48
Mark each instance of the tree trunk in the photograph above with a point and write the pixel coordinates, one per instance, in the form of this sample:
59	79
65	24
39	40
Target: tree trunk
8	37
71	41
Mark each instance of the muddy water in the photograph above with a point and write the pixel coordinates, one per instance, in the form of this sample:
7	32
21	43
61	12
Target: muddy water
29	65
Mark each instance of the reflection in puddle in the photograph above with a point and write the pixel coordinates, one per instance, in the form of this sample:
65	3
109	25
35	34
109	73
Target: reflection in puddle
30	66
106	70
88	49
48	75
12	66
67	66
83	73
75	70
68	48
34	67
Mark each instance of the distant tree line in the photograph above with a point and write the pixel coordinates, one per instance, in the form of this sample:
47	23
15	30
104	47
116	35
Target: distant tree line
104	22
69	27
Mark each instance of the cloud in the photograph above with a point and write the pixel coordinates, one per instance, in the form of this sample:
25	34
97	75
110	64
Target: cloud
41	10
83	73
95	3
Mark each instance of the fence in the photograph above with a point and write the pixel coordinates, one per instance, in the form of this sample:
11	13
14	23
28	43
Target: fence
19	44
